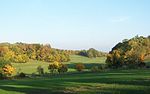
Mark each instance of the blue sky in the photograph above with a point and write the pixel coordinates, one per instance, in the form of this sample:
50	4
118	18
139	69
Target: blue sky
74	24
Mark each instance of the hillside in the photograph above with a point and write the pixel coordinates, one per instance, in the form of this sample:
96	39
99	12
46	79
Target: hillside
30	67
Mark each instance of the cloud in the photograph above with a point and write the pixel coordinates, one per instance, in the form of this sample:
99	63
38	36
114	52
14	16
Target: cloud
120	19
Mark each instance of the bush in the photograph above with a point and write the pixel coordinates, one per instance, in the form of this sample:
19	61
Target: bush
95	69
1	76
8	70
54	66
21	75
79	67
33	75
40	70
63	68
142	65
102	67
132	66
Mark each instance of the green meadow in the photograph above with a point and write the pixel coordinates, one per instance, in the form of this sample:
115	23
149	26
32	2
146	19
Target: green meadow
110	82
135	81
31	67
74	46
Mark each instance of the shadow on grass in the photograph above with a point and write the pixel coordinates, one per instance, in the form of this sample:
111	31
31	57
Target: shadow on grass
69	88
84	83
87	65
26	90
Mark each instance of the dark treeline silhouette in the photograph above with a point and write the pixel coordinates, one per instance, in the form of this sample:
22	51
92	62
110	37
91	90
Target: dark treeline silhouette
91	53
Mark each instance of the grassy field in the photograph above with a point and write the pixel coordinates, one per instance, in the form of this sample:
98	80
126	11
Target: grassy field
31	66
111	82
135	81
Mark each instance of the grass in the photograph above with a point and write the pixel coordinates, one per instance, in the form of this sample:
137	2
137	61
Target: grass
135	81
31	66
85	60
110	82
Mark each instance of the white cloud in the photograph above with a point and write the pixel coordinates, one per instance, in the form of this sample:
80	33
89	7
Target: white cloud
120	19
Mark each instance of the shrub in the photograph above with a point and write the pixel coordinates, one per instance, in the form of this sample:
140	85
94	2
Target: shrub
40	70
132	66
63	68
79	67
102	67
33	75
1	76
8	70
142	65
54	66
22	75
95	69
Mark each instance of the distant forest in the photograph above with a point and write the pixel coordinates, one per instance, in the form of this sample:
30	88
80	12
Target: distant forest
22	53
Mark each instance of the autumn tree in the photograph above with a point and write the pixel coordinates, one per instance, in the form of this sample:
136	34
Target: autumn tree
129	52
79	67
62	68
22	53
54	66
6	69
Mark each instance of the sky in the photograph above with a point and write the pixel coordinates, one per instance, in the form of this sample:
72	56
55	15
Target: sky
74	24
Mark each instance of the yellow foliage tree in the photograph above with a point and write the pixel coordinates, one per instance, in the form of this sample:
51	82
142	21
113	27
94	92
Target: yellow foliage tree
9	56
54	66
8	70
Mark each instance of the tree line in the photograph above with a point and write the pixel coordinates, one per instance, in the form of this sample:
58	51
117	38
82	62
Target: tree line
90	53
22	53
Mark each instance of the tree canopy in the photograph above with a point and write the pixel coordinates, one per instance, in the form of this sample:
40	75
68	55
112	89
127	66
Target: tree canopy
92	53
129	52
22	53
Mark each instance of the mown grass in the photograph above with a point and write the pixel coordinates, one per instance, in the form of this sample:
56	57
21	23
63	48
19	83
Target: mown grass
135	81
110	82
30	67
